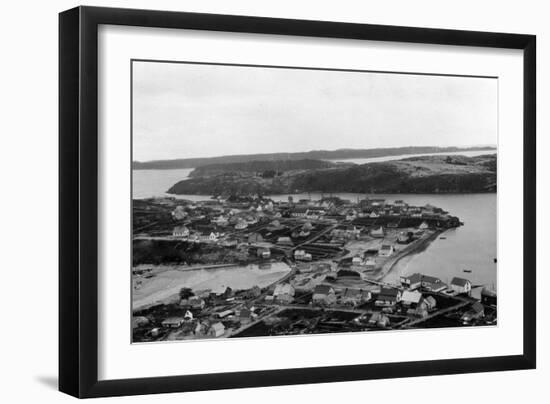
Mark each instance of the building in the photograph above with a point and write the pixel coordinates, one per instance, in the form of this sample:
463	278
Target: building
404	237
388	297
461	286
433	284
411	298
216	330
378	232
284	292
255	238
208	238
386	250
357	260
351	214
299	211
245	315
476	312
302	255
369	264
180	231
346	232
488	297
196	303
411	282
304	267
139	321
423	226
355	297
221	221
285	241
173	322
380	320
314	212
264	252
253	292
225	313
323	295
430	303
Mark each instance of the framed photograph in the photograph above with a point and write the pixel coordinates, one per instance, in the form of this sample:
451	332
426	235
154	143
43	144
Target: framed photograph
250	201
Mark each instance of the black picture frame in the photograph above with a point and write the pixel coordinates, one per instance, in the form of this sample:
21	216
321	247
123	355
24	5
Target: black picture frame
78	201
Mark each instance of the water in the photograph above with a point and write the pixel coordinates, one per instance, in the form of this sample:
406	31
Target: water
152	183
155	183
404	156
472	246
168	283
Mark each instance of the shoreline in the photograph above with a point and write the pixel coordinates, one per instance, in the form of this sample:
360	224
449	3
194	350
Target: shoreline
416	245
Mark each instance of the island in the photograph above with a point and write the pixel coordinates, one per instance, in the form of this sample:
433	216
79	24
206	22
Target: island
422	174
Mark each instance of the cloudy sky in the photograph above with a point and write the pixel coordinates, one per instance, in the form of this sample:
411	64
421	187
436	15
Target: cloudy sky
188	110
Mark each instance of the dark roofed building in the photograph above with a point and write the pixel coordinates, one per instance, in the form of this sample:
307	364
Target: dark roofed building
324	295
388	297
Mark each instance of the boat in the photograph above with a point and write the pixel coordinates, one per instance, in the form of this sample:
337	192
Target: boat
443	238
467	270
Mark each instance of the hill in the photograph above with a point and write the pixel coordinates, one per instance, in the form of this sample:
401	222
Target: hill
267	169
310	155
426	174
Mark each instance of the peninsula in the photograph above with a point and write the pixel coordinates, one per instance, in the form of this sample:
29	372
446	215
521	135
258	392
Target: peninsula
422	174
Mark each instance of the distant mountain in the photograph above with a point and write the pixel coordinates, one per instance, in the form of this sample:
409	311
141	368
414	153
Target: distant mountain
311	155
423	174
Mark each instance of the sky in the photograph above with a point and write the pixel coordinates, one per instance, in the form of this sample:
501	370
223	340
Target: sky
183	110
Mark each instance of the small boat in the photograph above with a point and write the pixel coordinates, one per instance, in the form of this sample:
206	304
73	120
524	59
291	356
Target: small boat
443	238
467	270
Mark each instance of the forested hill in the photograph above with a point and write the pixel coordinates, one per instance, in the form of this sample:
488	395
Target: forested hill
425	174
311	155
264	168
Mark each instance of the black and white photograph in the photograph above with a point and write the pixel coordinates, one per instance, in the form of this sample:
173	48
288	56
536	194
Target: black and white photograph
279	201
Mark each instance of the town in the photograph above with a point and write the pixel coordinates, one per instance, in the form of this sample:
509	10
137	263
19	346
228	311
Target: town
337	253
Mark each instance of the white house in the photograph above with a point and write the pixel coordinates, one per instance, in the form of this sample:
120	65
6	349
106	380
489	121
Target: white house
323	295
302	255
216	330
284	292
411	298
386	250
357	260
378	232
461	285
180	231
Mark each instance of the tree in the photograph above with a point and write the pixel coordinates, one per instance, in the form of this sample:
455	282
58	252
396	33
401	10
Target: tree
186	293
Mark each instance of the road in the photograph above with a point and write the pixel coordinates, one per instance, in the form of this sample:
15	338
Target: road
437	313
